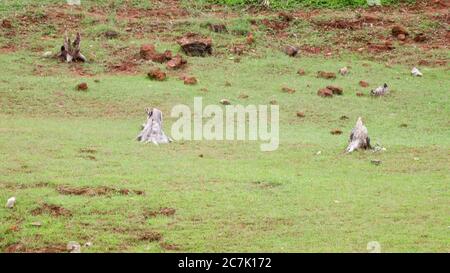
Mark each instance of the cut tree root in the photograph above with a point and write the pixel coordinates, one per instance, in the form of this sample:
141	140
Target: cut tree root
359	138
70	52
152	130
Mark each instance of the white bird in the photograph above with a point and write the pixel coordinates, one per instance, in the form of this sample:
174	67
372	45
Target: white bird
359	137
416	72
10	203
152	131
343	71
380	91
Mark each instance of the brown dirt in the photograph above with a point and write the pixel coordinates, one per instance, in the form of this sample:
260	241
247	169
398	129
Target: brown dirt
336	89
288	90
176	62
300	114
157	74
326	75
167	246
363	84
301	72
162	211
325	92
150	236
190	80
21	248
98	191
82	86
336	132
51	209
290	50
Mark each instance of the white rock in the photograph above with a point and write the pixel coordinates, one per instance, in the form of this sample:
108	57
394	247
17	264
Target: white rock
343	71
416	72
47	54
11	202
374	247
88	244
73	247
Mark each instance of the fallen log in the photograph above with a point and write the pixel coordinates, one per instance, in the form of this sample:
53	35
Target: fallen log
359	137
70	52
152	130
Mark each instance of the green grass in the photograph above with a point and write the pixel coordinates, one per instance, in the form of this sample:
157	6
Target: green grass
234	198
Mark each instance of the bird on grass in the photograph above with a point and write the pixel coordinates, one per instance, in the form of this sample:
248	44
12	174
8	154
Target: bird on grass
380	91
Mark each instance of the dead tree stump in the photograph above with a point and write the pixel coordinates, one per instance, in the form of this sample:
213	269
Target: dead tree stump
152	130
70	52
359	137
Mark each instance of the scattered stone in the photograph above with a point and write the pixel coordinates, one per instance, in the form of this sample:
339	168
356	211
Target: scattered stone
300	114
343	71
420	38
375	161
225	102
157	74
82	86
397	30
288	90
336	132
416	72
326	75
219	28
6	23
73	247
147	51
291	50
335	89
325	92
363	84
401	37
190	80
176	62
36	224
194	45
11	202
111	34
301	72
360	94
47	54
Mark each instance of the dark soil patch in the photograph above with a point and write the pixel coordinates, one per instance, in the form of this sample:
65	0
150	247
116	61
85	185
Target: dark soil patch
53	210
150	236
21	248
167	246
98	191
162	211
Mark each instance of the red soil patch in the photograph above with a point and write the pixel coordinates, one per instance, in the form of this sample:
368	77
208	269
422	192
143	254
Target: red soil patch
167	246
288	90
161	211
82	86
363	84
176	62
157	74
325	92
67	190
190	80
326	75
21	248
150	236
51	209
335	89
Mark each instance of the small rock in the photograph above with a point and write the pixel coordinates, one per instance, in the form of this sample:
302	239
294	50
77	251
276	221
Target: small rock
325	92
326	75
396	30
336	132
403	125
343	71
335	89
190	80
291	50
73	247
82	86
193	44
416	72
300	114
176	62
227	84
225	102
288	90
111	34
286	16
360	94
301	72
243	96
157	74
47	54
344	118
363	84
88	244
200	155
36	224
11	202
250	38
375	161
401	37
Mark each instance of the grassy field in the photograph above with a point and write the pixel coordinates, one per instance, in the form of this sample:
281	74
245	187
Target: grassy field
219	196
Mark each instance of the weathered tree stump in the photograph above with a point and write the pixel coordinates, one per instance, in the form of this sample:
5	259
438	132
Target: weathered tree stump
359	137
152	130
70	52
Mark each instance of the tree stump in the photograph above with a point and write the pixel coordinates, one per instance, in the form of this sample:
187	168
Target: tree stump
359	137
70	52
152	130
